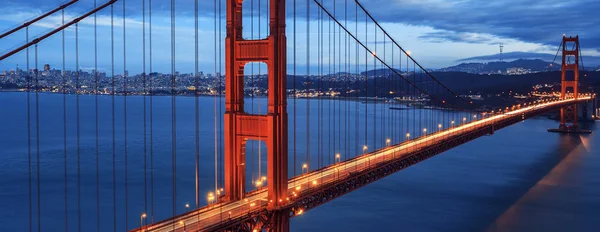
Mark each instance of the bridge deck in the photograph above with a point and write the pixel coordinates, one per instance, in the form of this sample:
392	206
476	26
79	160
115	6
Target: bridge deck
304	185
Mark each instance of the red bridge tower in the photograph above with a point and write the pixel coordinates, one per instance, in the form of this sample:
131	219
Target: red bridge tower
241	126
569	86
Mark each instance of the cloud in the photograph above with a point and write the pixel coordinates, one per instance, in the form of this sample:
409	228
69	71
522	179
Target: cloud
452	36
533	21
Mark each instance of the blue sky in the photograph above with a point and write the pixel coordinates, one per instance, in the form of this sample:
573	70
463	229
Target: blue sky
437	32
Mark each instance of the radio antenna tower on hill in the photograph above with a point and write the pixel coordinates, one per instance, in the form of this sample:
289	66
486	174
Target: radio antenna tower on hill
501	50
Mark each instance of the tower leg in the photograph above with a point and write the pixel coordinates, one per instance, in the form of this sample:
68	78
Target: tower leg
280	222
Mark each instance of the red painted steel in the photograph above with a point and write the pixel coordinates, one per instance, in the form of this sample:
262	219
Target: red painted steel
240	126
568	114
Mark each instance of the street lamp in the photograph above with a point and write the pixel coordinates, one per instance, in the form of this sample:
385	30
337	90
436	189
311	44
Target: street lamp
142	220
305	166
424	131
439	127
337	157
388	142
452	123
464	120
365	149
210	198
187	207
407	136
258	183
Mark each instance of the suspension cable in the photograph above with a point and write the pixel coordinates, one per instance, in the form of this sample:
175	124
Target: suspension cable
30	22
375	55
402	49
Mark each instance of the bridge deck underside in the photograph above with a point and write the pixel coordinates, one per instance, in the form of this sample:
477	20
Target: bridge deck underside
320	186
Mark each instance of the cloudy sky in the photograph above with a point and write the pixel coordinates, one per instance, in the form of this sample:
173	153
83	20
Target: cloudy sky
437	32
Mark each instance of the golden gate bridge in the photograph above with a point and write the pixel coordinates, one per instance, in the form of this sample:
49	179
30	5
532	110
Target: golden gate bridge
358	63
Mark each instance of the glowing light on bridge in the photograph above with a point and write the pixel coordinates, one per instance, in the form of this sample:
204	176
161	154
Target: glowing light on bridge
210	198
142	217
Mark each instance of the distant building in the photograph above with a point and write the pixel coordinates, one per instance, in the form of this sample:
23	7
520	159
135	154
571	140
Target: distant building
46	67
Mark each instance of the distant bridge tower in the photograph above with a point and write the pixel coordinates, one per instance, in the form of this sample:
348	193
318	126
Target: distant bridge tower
241	126
569	114
569	86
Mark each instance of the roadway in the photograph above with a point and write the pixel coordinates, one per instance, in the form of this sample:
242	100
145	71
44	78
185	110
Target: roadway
213	214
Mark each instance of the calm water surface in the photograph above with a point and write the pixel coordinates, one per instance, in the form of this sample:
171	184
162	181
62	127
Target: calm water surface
520	179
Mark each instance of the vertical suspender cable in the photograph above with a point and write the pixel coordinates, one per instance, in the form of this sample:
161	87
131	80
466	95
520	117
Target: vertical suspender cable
145	92
125	150
320	100
173	112
339	88
37	139
332	77
78	128
114	142
375	90
253	83
259	73
216	84
295	95
64	91
221	103
347	65
97	126
29	130
366	89
151	110
356	84
308	80
197	140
